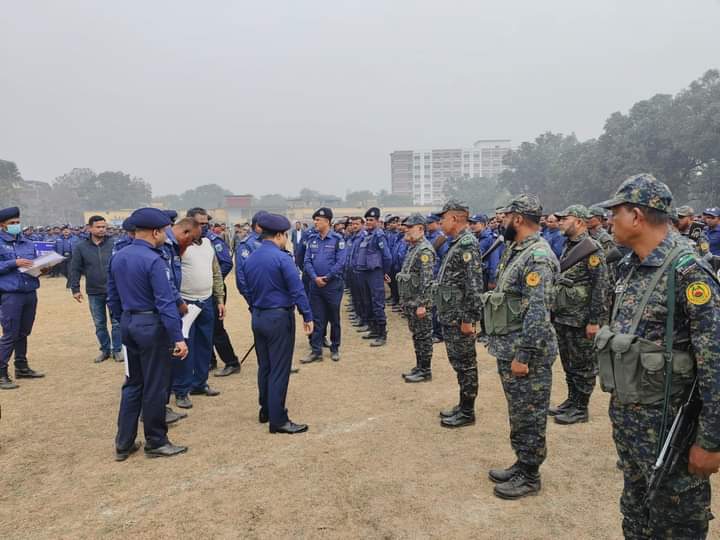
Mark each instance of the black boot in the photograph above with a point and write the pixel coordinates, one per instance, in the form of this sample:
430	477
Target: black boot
447	413
24	371
373	333
6	383
380	339
503	475
565	405
464	417
413	371
577	413
421	375
525	481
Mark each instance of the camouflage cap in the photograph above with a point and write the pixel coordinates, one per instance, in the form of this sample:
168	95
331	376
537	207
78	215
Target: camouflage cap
454	205
685	211
415	219
643	190
575	210
597	211
526	204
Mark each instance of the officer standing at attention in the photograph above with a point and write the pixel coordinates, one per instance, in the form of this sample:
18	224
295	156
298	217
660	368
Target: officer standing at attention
458	298
324	264
522	338
141	296
243	250
274	289
18	298
711	216
374	261
580	307
660	275
415	285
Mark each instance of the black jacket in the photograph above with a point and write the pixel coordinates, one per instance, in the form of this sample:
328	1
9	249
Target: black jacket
93	262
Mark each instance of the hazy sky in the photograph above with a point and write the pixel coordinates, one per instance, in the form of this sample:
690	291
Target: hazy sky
273	96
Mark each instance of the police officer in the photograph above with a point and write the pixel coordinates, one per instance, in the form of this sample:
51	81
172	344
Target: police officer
553	236
141	296
357	291
486	238
711	216
580	308
274	289
18	297
415	284
457	296
125	239
324	264
522	338
373	263
661	274
393	239
243	250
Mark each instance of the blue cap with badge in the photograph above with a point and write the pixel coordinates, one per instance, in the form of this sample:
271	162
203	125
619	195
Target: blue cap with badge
273	222
9	213
149	218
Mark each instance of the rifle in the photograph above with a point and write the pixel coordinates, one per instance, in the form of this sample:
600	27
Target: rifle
677	443
496	244
584	249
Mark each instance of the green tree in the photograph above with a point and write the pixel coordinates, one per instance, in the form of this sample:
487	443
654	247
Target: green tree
359	198
9	181
481	194
205	196
385	198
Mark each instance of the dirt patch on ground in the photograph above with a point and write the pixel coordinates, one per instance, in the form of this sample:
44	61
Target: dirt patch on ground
375	463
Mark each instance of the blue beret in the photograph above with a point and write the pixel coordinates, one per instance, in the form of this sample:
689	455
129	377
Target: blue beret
373	213
128	225
323	212
432	218
9	213
714	212
478	218
273	222
257	215
172	214
149	218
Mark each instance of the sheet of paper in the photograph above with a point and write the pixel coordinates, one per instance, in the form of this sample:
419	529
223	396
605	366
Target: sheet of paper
127	365
44	261
189	318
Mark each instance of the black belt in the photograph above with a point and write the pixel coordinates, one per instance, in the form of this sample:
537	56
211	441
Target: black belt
146	312
272	308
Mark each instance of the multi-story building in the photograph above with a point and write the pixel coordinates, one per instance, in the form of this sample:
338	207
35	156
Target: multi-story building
424	173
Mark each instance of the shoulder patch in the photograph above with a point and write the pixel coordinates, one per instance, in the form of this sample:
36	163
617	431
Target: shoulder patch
704	245
466	240
218	247
244	253
425	258
467	256
533	279
540	253
698	293
341	244
593	261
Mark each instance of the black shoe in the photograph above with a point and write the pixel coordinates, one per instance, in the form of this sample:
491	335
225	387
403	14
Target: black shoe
122	455
263	417
118	356
565	405
171	416
436	339
326	343
460	419
413	371
183	402
358	324
448	413
205	391
520	485
573	415
372	334
289	427
167	450
380	340
6	383
27	373
101	357
227	370
312	357
503	475
335	356
420	376
362	328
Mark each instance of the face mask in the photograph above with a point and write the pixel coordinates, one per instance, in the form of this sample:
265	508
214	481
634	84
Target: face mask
14	229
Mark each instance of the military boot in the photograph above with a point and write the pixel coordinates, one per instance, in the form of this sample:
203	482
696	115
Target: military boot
503	475
565	405
413	371
380	338
24	371
577	413
447	413
464	417
373	333
421	375
525	481
6	383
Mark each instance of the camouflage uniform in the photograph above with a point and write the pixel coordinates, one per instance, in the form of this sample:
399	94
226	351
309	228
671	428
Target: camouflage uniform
415	281
604	238
525	278
457	295
580	299
682	507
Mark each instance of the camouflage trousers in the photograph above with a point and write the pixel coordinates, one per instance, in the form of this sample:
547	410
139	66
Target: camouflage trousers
421	330
579	362
528	399
463	359
681	508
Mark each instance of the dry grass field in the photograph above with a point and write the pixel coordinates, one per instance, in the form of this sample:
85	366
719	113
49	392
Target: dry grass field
375	463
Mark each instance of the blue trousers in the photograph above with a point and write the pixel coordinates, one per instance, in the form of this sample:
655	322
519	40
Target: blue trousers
148	356
325	304
357	289
374	285
17	315
192	373
274	332
99	312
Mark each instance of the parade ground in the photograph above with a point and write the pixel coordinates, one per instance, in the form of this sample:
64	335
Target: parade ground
375	463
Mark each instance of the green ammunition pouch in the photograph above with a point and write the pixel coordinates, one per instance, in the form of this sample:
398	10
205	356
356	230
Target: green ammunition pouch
502	313
446	298
408	286
569	294
634	368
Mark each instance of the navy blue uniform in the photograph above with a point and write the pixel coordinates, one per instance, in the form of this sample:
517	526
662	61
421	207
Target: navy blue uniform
18	299
140	294
373	262
325	257
556	239
357	290
274	288
490	264
713	235
222	253
243	250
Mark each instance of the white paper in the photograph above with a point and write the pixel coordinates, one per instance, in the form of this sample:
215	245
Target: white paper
127	365
44	261
189	318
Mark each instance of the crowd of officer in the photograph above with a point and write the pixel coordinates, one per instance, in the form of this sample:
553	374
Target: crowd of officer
593	285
